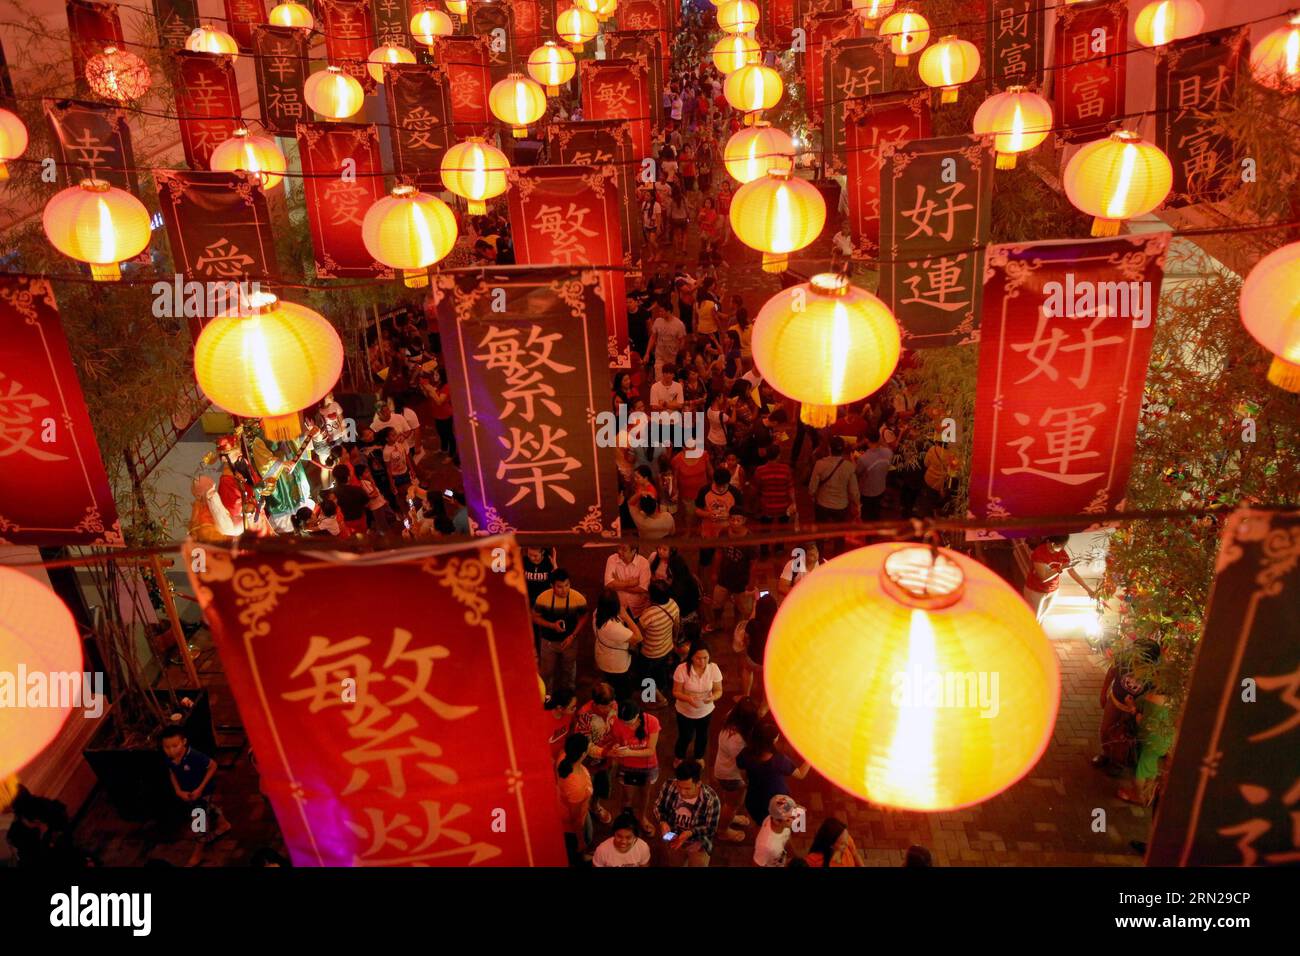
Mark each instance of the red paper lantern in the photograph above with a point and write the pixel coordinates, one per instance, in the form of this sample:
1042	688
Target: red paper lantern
118	75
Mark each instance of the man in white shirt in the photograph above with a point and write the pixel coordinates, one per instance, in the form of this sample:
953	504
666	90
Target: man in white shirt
666	395
628	572
667	334
770	845
652	522
797	568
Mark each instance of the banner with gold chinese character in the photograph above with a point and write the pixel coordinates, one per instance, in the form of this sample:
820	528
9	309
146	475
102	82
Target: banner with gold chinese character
242	18
53	488
465	61
495	23
1064	343
392	23
1232	787
603	143
392	701
281	69
218	225
1196	78
642	46
207	104
525	349
343	176
1090	68
175	20
1016	40
868	125
94	141
935	199
419	128
619	90
653	15
569	215
854	70
823	29
349	37
91	27
527	25
780	30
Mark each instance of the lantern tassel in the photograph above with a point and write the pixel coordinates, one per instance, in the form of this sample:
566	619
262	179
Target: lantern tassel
1006	161
949	95
776	262
105	271
552	90
818	416
477	207
282	427
415	278
519	132
901	60
1285	375
4	172
1105	227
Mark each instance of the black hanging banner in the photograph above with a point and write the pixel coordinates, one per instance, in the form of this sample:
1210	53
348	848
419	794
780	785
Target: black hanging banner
281	68
94	142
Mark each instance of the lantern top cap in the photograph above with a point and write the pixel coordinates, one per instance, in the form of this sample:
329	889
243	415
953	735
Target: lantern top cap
950	36
92	185
780	172
1294	19
260	303
830	283
1126	136
1016	89
923	577
405	191
333	69
110	50
241	132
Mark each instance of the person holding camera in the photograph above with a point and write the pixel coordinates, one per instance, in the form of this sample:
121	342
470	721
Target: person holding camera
558	614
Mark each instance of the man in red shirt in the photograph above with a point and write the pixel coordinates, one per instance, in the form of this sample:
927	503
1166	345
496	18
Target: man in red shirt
1047	563
775	482
691	469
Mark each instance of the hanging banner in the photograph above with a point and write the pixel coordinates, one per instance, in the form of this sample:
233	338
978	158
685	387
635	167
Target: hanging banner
619	90
465	61
781	30
526	357
281	67
1231	788
217	224
419	110
935	198
207	104
1196	78
649	15
53	488
343	176
1016	37
94	142
91	27
439	756
392	23
642	46
242	18
348	37
494	22
569	215
526	15
868	125
823	29
854	69
546	14
1064	343
1088	83
602	143
176	20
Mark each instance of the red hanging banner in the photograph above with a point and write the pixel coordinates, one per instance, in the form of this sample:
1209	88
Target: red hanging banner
1088	83
53	488
1064	343
207	104
392	700
465	61
603	143
242	18
781	30
91	27
527	25
822	29
349	37
868	125
853	70
343	176
638	15
619	90
642	46
494	22
569	215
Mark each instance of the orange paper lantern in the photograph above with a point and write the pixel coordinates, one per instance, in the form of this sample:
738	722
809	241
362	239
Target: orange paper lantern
38	637
1117	178
777	214
753	88
429	24
913	678
518	101
1164	20
254	154
98	224
208	39
576	27
475	170
948	64
870	11
118	75
409	230
458	7
1275	61
734	51
1018	119
1270	310
13	140
907	33
552	65
738	16
291	15
752	151
825	343
268	359
333	94
606	9
390	54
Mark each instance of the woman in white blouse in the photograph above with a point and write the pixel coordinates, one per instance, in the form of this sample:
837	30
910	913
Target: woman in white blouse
697	684
616	637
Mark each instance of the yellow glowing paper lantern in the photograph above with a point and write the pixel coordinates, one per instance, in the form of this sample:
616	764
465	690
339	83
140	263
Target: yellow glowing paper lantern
735	50
254	154
409	230
753	88
1164	20
552	65
1117	178
519	101
98	224
591	6
825	343
752	151
1275	62
458	7
13	140
576	26
606	10
907	32
291	15
429	24
1018	119
777	214
870	11
1270	310
333	94
912	677
268	359
389	53
118	75
738	16
38	636
948	64
208	39
475	170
